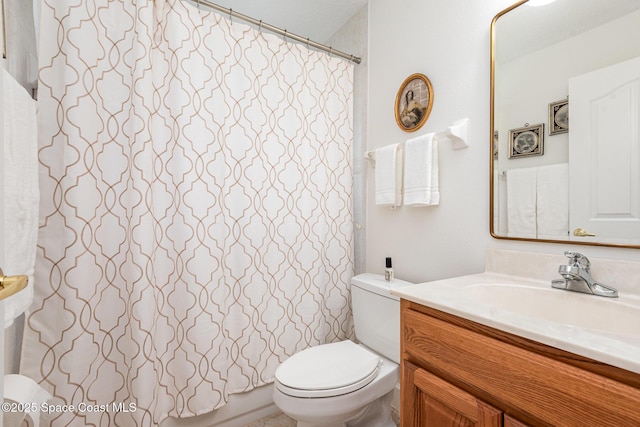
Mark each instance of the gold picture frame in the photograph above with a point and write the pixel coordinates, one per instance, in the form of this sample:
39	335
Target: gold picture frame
414	101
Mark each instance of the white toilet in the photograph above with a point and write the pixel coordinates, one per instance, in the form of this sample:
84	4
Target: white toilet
344	383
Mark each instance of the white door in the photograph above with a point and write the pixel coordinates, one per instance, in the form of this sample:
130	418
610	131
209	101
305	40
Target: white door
604	153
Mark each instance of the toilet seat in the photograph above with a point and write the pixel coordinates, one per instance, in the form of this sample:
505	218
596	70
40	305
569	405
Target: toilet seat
327	370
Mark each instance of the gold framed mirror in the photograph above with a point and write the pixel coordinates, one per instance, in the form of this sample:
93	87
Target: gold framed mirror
572	68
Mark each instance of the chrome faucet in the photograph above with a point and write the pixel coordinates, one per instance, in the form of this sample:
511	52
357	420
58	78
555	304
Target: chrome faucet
577	277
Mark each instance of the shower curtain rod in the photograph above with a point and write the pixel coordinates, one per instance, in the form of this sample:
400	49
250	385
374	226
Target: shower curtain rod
279	31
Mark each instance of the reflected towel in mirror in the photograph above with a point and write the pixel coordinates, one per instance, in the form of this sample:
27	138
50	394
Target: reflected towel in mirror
521	202
552	205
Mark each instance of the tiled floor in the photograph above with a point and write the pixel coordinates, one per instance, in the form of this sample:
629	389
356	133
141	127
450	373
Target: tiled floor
281	420
277	420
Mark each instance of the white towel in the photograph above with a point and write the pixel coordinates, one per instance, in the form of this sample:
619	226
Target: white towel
421	186
521	202
552	205
20	169
388	176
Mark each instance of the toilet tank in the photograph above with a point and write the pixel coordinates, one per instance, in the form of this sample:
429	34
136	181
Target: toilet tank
376	314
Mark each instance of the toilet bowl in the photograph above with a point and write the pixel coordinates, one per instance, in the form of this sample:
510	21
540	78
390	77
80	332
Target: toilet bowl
351	400
344	383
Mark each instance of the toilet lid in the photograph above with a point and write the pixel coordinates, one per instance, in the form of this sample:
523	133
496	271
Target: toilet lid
327	370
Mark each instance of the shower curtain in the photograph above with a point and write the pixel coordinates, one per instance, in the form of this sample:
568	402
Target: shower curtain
196	216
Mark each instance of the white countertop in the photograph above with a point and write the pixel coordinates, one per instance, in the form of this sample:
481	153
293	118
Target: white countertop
514	310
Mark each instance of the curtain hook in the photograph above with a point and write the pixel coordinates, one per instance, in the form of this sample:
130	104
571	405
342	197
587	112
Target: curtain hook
231	15
260	26
198	4
307	42
284	36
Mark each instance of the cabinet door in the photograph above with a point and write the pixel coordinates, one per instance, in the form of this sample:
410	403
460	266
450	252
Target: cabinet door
512	422
429	401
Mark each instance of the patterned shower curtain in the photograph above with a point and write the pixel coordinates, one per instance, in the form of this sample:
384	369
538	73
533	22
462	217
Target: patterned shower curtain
196	215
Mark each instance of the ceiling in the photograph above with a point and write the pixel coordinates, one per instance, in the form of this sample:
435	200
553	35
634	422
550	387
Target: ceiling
317	20
527	29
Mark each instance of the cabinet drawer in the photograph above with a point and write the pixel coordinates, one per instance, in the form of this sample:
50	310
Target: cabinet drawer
518	381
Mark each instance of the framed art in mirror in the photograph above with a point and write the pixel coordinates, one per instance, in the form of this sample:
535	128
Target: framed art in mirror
559	117
413	102
526	141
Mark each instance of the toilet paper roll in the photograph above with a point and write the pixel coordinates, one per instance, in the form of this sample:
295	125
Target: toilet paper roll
16	419
23	391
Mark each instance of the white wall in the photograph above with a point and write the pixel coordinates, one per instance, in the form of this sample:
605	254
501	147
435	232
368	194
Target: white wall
449	42
352	38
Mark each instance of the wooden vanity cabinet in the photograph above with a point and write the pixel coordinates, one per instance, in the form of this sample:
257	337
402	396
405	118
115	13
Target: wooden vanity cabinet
455	372
436	402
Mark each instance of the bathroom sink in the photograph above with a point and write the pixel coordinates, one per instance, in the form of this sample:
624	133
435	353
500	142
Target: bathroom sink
603	329
618	317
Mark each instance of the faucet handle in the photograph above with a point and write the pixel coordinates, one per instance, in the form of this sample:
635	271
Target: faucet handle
578	260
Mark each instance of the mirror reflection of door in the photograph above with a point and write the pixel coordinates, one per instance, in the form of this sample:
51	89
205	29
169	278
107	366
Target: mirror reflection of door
604	153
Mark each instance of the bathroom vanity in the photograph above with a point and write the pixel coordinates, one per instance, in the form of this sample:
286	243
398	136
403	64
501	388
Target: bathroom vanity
469	359
458	372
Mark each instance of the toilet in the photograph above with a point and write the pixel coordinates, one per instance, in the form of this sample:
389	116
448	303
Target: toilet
348	383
